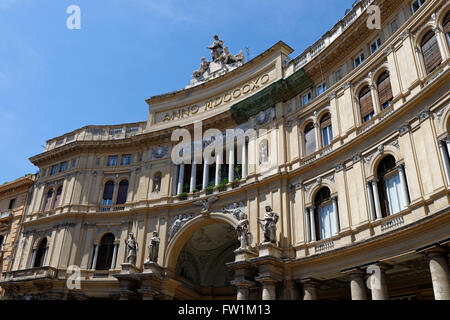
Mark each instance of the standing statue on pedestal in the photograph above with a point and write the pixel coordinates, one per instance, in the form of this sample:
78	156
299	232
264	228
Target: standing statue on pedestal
216	48
132	248
270	225
153	248
244	234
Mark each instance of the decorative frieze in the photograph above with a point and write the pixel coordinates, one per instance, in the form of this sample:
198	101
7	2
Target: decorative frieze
177	223
356	157
160	152
424	115
339	167
404	129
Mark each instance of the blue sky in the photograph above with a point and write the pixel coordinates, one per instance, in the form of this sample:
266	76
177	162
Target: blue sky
54	80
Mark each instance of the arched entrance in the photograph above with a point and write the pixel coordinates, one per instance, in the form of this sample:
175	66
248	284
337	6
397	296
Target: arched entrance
201	262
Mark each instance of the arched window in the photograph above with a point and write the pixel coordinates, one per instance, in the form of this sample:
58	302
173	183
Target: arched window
105	252
446	27
122	192
48	200
2	237
326	130
157	181
325	220
384	90
57	198
108	193
40	254
366	104
430	52
310	139
390	187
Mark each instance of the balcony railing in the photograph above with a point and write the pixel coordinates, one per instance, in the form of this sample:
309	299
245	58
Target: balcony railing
29	274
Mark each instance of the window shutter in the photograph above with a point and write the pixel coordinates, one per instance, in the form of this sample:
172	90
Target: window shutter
366	104
446	23
122	192
325	122
430	50
385	91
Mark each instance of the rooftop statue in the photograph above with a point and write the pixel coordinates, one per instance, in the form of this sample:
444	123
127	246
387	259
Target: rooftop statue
216	48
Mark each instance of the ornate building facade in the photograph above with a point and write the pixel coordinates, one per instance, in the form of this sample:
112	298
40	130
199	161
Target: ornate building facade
337	186
13	203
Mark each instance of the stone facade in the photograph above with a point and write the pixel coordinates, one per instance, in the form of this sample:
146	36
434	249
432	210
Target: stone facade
13	203
357	170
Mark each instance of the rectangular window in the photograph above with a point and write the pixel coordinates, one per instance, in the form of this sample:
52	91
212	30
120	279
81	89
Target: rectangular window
393	194
327	136
326	225
375	45
12	202
306	98
358	60
126	159
310	141
112	161
321	88
63	167
54	169
416	5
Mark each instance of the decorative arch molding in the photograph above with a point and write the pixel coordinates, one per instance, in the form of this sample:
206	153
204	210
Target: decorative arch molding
444	124
357	89
387	150
319	184
99	234
441	13
178	241
378	72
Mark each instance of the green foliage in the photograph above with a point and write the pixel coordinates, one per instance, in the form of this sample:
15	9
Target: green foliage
182	196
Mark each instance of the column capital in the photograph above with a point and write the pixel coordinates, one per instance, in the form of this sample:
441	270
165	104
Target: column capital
374	181
309	282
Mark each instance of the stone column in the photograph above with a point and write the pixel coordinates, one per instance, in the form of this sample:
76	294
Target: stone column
181	178
309	289
376	198
419	60
375	101
358	285
231	164
242	293
307	225
114	258
205	175
405	196
379	285
244	160
371	203
312	223
175	180
444	157
193	177
317	134
447	141
335	215
218	165
268	290
440	274
94	260
441	44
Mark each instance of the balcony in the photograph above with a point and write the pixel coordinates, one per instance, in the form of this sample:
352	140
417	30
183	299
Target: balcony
29	274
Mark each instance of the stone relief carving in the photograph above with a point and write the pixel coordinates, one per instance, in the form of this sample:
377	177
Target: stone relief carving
153	248
160	152
269	226
265	117
235	209
263	152
132	248
205	204
178	222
